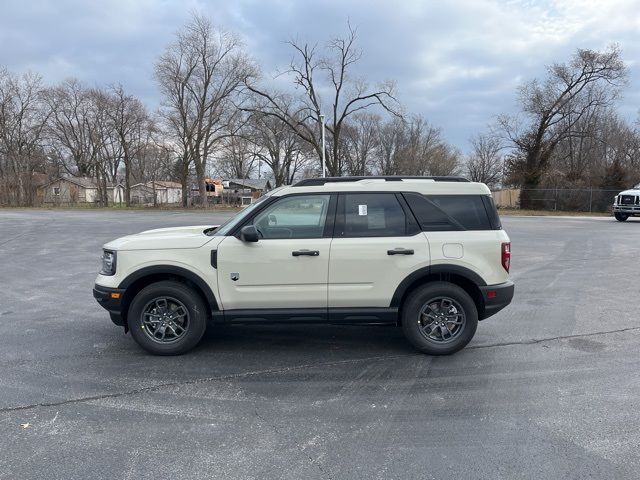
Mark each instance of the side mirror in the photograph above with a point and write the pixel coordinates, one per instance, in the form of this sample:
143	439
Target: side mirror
249	234
273	220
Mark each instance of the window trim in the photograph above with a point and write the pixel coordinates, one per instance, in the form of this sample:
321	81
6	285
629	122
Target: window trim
484	199
329	220
340	217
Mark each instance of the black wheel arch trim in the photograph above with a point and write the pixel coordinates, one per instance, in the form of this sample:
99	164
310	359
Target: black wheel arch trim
172	270
423	272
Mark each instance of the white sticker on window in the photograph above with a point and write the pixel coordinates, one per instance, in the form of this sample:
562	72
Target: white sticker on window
362	209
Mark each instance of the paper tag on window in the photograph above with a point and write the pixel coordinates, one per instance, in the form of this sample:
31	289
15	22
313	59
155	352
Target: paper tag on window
362	209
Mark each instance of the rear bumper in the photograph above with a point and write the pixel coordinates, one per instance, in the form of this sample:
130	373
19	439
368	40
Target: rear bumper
495	298
111	300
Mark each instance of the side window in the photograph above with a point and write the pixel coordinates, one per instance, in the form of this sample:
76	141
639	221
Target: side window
373	215
431	217
468	210
300	216
449	212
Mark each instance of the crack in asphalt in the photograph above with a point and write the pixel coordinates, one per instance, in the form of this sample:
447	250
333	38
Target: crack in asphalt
153	388
534	341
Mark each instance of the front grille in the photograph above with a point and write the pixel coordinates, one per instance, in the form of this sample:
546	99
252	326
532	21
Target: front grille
627	199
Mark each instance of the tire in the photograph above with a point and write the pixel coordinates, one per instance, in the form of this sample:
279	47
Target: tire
170	312
439	297
621	217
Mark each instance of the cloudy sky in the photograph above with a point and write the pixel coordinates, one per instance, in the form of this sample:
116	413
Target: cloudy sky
456	62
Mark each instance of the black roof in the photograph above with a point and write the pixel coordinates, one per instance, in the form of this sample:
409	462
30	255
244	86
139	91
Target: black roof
391	178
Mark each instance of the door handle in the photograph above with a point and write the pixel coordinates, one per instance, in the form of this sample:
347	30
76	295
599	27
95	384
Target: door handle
308	253
400	251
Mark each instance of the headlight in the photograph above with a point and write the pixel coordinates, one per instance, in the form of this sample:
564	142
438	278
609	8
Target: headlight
108	263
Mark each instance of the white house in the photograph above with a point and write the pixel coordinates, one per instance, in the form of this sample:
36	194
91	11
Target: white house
165	193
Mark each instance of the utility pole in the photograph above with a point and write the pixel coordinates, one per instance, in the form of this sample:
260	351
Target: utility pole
324	168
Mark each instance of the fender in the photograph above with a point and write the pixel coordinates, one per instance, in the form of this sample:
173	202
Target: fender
440	269
172	270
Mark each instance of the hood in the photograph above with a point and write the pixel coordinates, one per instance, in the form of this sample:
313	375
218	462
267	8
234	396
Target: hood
163	238
633	191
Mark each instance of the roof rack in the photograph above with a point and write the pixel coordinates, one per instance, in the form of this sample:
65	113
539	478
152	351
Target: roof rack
308	182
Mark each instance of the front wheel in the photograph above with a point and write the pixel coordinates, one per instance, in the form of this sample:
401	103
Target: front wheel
621	217
167	318
439	318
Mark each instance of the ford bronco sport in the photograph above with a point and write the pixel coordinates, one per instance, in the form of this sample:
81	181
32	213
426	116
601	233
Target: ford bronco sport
627	204
425	253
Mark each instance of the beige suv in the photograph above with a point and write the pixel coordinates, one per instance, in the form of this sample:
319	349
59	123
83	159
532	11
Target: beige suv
424	253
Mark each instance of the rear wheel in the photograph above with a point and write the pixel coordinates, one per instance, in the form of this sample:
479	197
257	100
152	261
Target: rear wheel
621	217
167	318
439	318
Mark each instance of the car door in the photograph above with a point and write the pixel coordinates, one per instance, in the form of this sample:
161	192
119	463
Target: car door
377	243
287	268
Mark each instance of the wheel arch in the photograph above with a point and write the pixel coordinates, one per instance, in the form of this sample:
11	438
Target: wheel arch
139	279
466	279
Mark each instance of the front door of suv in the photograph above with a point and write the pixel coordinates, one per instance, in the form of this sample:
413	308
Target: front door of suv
287	268
377	244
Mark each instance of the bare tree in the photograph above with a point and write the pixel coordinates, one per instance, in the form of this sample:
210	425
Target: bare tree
71	111
199	76
414	147
237	156
485	163
361	143
591	80
346	96
277	146
130	124
23	117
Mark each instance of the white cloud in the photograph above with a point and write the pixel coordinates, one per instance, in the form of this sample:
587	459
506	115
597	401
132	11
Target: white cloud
455	62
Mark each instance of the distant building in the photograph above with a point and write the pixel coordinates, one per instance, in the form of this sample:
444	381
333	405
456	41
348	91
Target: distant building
244	191
166	193
69	190
213	188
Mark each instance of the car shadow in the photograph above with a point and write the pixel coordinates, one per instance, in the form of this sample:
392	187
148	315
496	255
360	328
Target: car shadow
308	339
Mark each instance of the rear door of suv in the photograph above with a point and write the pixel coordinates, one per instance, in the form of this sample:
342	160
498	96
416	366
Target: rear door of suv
463	230
377	243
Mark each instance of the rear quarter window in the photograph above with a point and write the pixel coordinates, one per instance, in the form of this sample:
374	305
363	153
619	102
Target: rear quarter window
451	212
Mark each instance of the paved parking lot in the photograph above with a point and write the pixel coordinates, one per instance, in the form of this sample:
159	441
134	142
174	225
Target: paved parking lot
549	388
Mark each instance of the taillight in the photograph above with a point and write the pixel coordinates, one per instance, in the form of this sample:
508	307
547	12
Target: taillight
506	255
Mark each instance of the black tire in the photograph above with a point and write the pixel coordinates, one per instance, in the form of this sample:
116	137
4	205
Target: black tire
425	297
621	217
176	295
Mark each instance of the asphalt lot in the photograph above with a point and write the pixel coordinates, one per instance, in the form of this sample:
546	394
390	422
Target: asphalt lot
549	388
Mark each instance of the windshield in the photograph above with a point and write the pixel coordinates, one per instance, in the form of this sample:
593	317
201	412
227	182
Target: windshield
230	224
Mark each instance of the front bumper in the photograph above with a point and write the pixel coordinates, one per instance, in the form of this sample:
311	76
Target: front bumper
111	300
495	298
630	209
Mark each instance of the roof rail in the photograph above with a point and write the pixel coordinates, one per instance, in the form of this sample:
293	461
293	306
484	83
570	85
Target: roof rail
308	182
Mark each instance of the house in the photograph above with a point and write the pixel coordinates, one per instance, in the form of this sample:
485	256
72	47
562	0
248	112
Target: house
69	190
165	192
213	188
245	191
65	190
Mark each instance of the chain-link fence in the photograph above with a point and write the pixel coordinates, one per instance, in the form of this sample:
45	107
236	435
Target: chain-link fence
558	199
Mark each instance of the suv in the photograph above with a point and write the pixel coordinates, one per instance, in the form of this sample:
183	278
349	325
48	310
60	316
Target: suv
627	204
424	253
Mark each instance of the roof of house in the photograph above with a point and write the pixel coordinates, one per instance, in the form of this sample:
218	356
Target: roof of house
80	181
258	184
167	184
159	184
